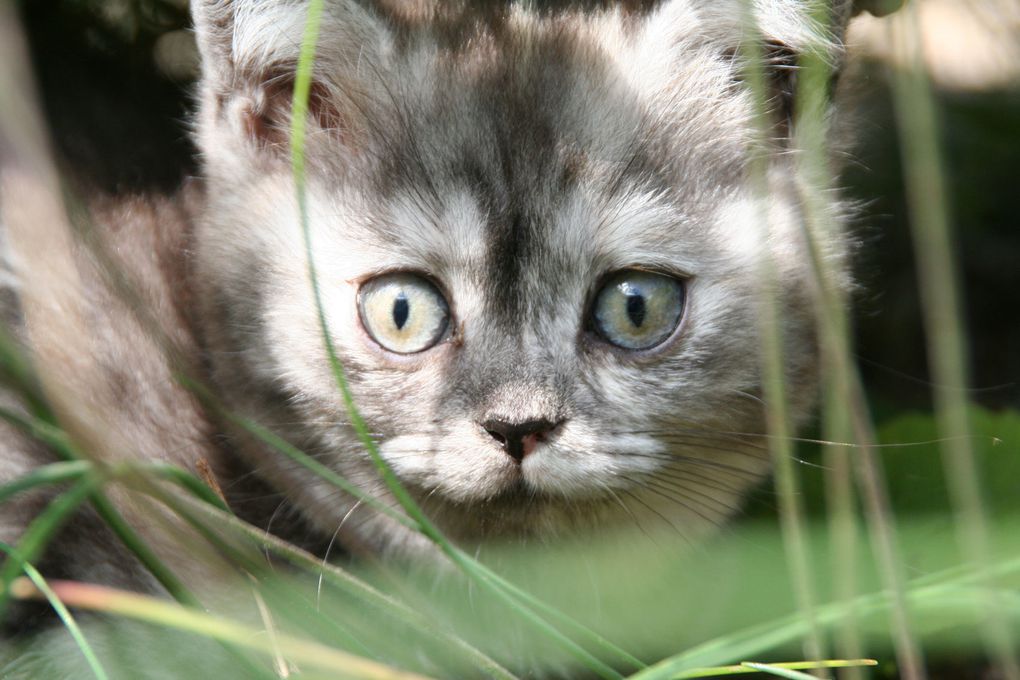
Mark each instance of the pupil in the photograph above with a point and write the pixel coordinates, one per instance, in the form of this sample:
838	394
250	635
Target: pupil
636	309
401	310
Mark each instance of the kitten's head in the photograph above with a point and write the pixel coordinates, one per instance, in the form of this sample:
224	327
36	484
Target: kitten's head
539	244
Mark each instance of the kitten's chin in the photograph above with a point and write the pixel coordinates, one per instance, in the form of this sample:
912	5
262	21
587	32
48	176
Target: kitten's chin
516	512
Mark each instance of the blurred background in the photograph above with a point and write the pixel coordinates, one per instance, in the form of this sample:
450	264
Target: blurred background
972	52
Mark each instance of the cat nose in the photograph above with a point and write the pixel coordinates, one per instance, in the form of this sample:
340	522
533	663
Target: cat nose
519	439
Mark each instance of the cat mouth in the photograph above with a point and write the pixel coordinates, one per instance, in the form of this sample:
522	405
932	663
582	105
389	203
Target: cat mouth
518	492
518	497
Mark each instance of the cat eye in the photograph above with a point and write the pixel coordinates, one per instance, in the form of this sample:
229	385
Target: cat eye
638	310
403	312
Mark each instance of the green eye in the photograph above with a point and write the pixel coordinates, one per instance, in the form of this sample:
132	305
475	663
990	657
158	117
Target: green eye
638	310
403	312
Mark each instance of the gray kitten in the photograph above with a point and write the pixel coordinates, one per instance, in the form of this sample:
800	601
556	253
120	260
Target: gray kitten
538	241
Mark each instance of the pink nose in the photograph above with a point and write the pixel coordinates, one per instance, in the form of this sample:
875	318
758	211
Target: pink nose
519	439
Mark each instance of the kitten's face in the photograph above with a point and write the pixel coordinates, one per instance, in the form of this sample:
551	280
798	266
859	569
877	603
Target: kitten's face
538	251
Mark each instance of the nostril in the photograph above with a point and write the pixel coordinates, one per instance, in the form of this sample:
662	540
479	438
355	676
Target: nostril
519	439
496	435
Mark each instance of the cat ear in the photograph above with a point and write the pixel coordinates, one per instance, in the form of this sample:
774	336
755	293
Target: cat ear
780	31
250	50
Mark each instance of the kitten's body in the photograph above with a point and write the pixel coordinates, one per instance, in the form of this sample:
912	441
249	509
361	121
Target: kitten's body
514	158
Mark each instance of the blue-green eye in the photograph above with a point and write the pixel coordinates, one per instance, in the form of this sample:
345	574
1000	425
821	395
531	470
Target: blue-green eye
638	310
403	312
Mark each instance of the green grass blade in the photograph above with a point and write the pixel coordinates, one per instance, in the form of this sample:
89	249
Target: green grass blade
159	612
812	130
45	526
48	433
178	476
58	441
771	350
65	616
931	591
778	671
846	408
48	475
344	581
927	192
750	667
140	549
39	532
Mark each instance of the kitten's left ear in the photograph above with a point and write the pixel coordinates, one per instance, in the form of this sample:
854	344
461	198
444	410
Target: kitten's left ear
250	50
779	30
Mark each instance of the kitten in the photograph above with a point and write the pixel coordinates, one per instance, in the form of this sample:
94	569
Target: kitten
538	243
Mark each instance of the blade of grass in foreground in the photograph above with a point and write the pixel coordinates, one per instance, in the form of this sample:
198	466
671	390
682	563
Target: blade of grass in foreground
171	615
778	671
940	590
45	526
54	473
302	87
65	616
751	667
846	408
771	349
39	532
811	129
57	473
351	585
938	283
61	444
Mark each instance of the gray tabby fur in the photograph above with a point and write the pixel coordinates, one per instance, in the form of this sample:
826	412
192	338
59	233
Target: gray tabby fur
515	156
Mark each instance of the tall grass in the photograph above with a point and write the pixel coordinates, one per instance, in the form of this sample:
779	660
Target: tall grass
843	568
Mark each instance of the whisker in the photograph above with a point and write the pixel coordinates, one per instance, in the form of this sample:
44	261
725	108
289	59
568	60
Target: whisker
611	493
688	492
329	548
659	492
665	457
689	475
656	513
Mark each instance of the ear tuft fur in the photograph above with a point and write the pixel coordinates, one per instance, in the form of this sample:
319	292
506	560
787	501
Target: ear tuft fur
780	61
782	31
250	51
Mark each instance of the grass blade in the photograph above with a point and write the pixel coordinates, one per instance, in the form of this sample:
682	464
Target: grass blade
752	667
65	616
927	193
48	475
771	359
170	615
344	581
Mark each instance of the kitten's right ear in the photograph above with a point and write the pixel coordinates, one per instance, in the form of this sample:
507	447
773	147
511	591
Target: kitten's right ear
250	50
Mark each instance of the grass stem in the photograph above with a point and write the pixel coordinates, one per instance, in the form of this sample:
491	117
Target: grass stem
938	282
